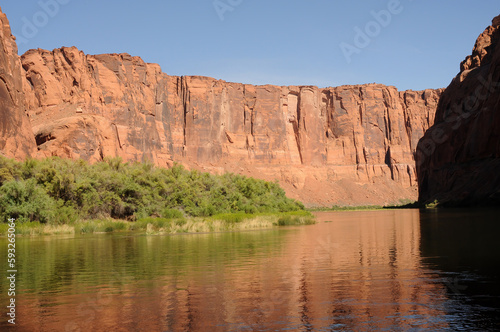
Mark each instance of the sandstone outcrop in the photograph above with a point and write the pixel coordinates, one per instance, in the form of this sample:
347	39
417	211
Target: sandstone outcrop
340	143
16	137
343	145
458	159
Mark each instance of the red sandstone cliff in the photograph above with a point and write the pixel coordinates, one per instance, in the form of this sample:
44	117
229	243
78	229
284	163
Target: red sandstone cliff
459	157
16	137
332	145
344	145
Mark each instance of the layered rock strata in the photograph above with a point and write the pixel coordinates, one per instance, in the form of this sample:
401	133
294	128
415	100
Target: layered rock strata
343	145
97	106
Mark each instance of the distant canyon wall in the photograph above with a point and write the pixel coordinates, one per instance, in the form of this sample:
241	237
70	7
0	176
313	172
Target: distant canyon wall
459	157
97	106
342	145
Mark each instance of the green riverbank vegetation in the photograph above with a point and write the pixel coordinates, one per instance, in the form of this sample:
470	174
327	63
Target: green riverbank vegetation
348	208
60	196
402	204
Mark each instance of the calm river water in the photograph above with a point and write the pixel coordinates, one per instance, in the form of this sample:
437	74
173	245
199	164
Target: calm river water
392	270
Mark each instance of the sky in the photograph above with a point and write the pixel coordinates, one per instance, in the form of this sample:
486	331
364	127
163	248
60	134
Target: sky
410	44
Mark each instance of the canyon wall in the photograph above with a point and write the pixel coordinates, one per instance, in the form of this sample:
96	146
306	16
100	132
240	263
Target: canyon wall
16	137
349	144
458	159
344	145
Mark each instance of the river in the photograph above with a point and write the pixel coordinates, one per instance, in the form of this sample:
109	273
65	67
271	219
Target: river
390	270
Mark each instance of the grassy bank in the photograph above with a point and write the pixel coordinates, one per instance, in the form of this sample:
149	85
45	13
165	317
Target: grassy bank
216	223
348	208
403	204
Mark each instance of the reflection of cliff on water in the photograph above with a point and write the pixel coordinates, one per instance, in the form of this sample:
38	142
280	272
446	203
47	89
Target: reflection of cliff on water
462	238
362	271
463	244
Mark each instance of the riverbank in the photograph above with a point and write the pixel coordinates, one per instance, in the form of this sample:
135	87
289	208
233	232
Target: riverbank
150	225
59	191
403	205
60	196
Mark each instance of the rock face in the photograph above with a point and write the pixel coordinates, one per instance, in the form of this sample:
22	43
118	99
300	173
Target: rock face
458	159
333	145
343	145
16	137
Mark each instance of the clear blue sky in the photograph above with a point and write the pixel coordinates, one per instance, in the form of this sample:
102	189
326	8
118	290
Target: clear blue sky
282	42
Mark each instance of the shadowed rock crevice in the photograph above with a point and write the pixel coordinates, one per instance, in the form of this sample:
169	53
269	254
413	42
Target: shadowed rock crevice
43	138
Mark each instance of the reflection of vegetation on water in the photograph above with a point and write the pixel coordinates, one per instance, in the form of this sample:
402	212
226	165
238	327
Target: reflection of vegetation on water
49	265
112	194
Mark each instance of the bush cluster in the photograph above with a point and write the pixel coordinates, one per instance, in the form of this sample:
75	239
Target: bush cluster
61	191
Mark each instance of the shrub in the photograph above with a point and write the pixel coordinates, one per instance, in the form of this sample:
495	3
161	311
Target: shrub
172	213
232	218
61	191
181	222
65	214
296	218
25	202
156	223
109	226
86	227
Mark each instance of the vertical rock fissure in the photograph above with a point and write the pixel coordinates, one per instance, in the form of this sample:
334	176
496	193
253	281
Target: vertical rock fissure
185	102
297	129
117	136
355	146
360	103
407	121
